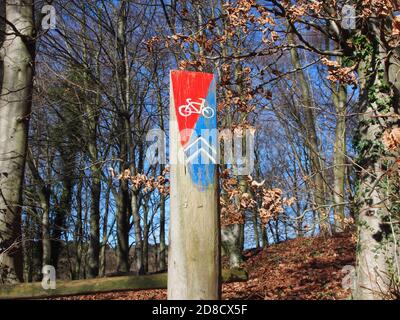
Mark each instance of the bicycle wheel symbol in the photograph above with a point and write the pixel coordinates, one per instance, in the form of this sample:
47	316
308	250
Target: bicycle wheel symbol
185	111
208	112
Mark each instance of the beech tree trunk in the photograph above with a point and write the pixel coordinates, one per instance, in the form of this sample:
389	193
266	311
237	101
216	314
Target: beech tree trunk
311	139
17	54
378	194
230	240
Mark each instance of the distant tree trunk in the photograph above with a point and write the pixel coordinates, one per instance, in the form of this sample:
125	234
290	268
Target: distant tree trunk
256	229
232	236
94	243
123	228
78	235
162	255
17	53
43	192
128	198
311	138
146	230
162	249
27	247
264	236
339	157
63	208
91	107
138	235
103	250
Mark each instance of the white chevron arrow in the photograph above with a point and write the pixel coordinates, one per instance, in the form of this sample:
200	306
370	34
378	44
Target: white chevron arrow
210	153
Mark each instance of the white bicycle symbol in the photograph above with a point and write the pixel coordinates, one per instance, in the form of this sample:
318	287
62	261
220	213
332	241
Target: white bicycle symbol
196	108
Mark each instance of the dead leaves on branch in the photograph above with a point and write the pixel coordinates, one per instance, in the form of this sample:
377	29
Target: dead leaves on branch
391	139
160	183
396	26
240	17
366	8
235	200
380	8
302	8
338	73
241	196
241	14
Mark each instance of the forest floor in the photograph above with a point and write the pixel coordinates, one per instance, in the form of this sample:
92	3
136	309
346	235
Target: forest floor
300	269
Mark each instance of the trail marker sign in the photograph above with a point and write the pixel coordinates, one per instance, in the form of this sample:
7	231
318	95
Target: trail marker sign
194	245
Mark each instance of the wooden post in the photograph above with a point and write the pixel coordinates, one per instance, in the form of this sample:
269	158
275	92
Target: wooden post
194	243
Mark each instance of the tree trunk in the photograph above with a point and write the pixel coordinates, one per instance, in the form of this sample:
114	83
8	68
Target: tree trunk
311	138
90	127
44	198
378	194
339	157
63	208
230	240
2	36
78	235
264	236
17	54
162	249
94	242
103	250
138	235
256	229
162	255
146	229
123	228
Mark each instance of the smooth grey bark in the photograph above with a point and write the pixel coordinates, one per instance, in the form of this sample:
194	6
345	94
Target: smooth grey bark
2	35
17	54
230	241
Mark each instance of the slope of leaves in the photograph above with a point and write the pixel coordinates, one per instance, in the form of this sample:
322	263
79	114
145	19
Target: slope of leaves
300	269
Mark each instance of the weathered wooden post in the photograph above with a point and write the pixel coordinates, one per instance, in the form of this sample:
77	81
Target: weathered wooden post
194	242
